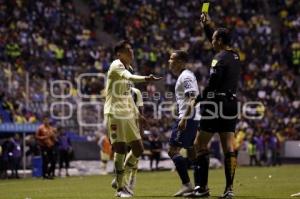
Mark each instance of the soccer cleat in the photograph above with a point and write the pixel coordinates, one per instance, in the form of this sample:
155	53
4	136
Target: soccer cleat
228	194
115	186
186	188
128	190
124	193
197	193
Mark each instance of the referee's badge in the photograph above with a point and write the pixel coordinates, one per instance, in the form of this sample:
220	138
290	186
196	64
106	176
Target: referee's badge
214	63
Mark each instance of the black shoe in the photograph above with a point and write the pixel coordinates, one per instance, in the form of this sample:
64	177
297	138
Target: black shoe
198	192
228	194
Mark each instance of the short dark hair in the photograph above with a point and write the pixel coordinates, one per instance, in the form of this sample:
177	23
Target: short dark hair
120	46
182	55
224	35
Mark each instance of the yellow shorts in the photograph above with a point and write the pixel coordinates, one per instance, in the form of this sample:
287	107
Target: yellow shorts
122	130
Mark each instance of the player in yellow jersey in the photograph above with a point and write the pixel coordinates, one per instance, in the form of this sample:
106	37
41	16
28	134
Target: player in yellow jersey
121	113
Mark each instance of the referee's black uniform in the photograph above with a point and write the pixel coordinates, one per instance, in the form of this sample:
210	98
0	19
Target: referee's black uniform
221	91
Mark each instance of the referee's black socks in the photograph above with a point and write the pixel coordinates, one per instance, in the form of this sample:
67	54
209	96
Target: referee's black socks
230	163
202	166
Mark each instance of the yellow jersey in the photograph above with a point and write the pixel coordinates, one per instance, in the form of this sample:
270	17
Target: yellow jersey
119	101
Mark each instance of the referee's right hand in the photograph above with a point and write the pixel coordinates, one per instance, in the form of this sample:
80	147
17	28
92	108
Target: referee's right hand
204	18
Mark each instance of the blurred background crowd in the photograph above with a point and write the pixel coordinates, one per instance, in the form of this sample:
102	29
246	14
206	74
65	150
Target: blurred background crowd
42	41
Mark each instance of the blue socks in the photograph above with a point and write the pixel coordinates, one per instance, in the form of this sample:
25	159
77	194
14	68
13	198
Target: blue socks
181	167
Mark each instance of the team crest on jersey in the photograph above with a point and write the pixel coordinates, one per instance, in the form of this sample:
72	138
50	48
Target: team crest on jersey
113	127
187	83
214	63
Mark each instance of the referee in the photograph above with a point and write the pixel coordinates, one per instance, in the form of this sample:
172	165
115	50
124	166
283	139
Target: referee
219	105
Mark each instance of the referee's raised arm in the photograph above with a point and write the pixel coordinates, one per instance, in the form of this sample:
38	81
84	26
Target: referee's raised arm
206	27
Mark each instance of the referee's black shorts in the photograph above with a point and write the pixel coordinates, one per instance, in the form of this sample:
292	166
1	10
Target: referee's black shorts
219	115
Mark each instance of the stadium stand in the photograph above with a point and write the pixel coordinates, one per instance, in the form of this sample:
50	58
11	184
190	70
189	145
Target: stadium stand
43	41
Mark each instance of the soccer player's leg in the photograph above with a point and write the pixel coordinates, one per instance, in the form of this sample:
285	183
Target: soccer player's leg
226	132
201	164
134	140
182	170
230	162
117	138
188	143
132	177
119	157
131	162
177	140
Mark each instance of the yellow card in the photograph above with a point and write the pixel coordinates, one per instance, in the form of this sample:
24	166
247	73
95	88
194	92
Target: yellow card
205	7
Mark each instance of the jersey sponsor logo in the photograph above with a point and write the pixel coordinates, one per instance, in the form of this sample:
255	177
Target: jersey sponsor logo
214	63
113	135
187	83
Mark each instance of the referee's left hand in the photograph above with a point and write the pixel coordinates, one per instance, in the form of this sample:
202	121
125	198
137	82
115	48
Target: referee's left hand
182	124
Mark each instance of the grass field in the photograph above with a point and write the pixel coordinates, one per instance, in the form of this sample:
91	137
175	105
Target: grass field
274	182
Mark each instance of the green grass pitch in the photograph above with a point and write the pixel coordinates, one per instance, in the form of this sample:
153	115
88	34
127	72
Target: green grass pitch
264	183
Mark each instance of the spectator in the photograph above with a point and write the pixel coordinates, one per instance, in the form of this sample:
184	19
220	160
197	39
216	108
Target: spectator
45	137
7	157
260	149
155	150
65	150
252	152
17	155
105	152
71	47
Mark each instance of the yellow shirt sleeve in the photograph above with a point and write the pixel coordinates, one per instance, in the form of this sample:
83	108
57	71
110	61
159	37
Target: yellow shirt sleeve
121	71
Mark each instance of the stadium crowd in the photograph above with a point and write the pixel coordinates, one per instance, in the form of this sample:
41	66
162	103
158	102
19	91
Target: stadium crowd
268	73
49	40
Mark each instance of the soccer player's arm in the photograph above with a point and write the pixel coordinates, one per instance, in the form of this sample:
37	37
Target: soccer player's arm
190	105
190	93
121	71
139	103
